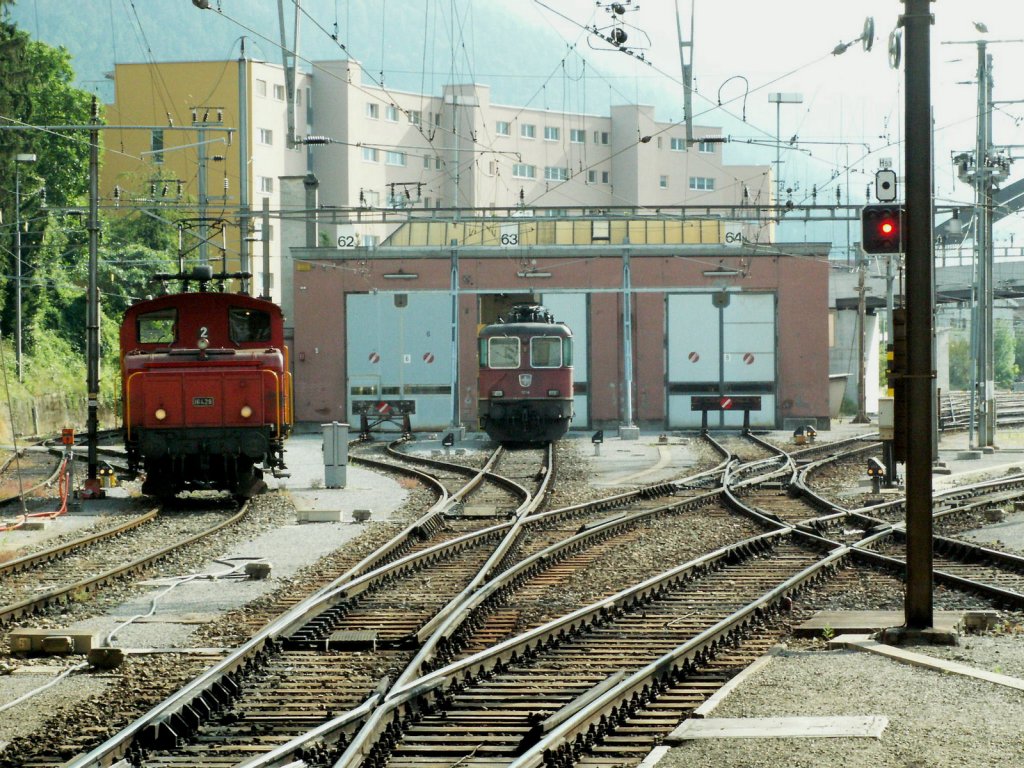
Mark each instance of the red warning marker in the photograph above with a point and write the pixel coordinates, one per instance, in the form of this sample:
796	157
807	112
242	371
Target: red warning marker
383	408
725	403
428	357
748	358
694	357
374	357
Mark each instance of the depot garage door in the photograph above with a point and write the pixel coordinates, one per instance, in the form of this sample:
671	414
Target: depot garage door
721	343
398	347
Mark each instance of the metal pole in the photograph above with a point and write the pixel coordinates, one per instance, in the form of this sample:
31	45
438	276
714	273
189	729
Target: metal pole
456	417
92	485
778	151
17	270
243	165
917	22
983	252
862	395
265	237
203	256
627	333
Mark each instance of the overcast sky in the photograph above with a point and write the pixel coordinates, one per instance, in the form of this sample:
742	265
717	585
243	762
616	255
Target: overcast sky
853	104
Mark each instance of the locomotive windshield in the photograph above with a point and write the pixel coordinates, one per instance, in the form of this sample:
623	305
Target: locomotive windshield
546	352
248	325
503	352
157	327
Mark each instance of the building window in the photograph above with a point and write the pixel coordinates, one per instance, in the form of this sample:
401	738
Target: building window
415	116
426	161
659	142
524	171
677	145
261	87
437	162
600	137
707	147
265	184
371	241
551	133
372	110
705	183
394	158
370	197
298	97
264	136
371	155
437	119
278	92
391	113
528	131
554	173
156	145
502	128
577	135
593	176
663	182
604	177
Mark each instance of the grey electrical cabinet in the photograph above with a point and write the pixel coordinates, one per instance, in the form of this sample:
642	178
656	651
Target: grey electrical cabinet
335	454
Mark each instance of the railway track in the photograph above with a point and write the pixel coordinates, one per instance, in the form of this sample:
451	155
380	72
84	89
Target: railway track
520	598
378	605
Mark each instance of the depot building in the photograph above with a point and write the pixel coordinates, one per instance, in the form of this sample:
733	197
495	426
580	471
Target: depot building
665	311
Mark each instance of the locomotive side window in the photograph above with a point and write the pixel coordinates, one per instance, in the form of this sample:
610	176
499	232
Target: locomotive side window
546	352
503	352
248	325
157	327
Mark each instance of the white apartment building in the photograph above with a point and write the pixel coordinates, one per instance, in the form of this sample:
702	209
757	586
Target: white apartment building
458	150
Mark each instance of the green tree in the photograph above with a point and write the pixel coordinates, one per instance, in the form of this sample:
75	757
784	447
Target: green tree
1004	351
959	364
35	89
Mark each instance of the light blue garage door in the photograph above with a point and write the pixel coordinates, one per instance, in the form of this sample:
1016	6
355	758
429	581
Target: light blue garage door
399	348
721	343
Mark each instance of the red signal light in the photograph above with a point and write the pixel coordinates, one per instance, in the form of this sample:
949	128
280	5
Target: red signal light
881	230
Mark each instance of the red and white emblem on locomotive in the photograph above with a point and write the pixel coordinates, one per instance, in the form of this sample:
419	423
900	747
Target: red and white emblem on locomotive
525	379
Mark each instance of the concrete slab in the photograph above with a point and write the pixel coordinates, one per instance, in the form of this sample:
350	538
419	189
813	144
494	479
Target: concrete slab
868	622
863	726
904	656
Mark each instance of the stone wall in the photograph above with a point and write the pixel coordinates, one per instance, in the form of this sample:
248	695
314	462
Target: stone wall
47	415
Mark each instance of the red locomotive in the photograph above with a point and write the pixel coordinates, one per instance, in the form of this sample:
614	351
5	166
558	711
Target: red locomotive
206	389
525	377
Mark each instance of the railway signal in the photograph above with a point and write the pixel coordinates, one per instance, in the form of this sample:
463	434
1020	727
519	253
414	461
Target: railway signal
882	228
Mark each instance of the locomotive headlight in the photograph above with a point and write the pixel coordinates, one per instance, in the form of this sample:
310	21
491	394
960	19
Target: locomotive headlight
246	411
160	414
202	343
497	393
554	392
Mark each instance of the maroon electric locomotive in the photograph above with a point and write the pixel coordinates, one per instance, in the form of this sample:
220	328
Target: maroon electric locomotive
206	388
525	377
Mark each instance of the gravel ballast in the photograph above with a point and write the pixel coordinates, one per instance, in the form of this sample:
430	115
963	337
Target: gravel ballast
936	720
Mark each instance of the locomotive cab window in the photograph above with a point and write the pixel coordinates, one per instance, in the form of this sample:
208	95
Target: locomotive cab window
248	325
546	352
503	352
157	327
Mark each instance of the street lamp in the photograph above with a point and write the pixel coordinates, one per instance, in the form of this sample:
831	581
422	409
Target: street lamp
20	158
778	99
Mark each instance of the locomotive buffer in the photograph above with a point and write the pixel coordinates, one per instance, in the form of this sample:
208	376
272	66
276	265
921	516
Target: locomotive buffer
373	413
746	404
